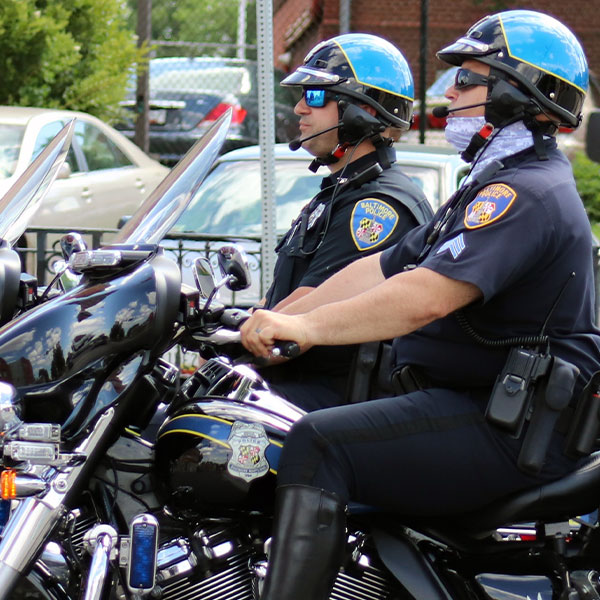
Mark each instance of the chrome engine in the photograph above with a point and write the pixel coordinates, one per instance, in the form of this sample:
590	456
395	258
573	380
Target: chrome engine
219	564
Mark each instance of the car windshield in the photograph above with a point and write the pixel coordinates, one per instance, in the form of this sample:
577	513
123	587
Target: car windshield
427	178
10	144
233	80
442	83
229	201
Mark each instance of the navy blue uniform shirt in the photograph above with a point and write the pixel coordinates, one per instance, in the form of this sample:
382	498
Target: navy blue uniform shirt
362	219
518	237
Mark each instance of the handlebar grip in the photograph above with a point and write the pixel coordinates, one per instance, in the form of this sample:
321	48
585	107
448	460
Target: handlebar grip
286	349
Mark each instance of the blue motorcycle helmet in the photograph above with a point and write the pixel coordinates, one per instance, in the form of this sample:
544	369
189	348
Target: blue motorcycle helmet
365	68
534	50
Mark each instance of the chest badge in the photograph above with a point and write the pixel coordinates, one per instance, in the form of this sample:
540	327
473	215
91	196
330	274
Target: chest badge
315	214
490	204
372	222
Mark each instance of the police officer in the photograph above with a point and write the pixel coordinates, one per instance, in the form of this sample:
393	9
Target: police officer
357	96
503	271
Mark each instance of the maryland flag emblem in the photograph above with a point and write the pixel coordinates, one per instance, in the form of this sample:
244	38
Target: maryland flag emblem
372	222
491	203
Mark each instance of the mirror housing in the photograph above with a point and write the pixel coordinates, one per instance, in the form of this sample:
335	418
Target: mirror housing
233	264
70	243
592	136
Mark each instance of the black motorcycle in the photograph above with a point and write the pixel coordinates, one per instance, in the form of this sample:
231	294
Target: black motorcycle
118	482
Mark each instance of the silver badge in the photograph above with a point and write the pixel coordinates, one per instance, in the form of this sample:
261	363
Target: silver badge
315	214
248	443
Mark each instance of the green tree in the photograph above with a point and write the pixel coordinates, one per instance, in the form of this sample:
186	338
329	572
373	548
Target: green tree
212	22
587	177
73	54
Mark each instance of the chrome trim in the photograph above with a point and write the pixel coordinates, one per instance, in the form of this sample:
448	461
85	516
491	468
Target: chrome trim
34	518
100	541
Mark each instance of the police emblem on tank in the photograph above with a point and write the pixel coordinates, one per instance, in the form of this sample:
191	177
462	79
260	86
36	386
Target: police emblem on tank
372	222
248	443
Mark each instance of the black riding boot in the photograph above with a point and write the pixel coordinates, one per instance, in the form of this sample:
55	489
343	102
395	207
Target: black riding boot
309	535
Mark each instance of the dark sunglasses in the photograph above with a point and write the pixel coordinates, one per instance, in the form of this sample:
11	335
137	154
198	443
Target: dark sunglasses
465	78
316	98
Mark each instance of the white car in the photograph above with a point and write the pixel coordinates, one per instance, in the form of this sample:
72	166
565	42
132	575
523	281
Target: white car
104	177
228	204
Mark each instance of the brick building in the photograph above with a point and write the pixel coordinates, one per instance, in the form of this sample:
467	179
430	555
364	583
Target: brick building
300	24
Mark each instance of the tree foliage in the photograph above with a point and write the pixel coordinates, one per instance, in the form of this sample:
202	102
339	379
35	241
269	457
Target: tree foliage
73	54
587	177
212	23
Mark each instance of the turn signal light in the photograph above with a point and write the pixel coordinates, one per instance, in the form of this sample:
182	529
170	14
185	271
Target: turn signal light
8	486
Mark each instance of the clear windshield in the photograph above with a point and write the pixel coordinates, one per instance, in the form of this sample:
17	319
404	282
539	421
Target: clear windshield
153	219
230	203
10	145
21	201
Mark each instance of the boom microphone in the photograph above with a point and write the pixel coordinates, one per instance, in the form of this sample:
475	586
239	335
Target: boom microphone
439	112
295	144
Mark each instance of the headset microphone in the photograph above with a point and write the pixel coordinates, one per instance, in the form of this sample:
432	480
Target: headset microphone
439	112
295	144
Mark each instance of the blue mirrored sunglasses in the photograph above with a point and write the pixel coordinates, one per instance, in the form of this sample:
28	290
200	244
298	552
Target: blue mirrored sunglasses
316	98
465	78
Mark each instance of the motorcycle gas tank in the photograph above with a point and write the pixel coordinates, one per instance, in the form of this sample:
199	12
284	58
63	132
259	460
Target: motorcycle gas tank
222	452
59	354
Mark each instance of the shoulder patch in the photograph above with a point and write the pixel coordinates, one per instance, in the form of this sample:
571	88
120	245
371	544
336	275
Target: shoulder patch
489	205
372	222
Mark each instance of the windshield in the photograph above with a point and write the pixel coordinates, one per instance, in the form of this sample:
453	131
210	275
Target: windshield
229	201
151	221
428	179
11	137
24	197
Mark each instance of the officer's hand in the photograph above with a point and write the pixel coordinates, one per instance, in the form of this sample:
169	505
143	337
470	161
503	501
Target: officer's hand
264	327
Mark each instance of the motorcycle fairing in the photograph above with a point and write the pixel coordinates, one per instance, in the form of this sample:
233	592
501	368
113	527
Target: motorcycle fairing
64	351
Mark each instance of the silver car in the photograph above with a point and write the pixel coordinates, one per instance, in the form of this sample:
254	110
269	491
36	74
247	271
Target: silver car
104	177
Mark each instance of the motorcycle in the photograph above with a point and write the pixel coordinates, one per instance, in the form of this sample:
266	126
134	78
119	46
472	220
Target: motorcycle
120	481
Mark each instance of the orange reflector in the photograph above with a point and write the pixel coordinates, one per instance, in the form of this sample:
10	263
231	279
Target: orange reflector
8	488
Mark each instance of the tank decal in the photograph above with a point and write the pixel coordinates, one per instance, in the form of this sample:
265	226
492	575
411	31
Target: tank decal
202	435
218	431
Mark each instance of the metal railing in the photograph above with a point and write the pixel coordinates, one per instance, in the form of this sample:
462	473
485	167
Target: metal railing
43	249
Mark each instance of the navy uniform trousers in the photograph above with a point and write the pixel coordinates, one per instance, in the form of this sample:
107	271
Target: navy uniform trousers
425	453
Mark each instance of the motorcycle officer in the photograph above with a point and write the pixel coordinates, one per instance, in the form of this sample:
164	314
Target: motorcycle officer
502	273
357	96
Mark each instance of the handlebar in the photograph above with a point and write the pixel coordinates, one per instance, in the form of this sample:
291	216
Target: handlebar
231	319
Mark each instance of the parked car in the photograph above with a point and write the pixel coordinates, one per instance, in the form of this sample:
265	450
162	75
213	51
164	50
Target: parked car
434	96
228	204
188	94
105	175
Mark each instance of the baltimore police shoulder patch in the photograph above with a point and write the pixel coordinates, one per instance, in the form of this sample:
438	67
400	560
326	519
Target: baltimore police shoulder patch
372	222
489	205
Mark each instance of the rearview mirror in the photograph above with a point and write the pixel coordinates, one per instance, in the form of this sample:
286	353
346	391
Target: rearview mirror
592	136
233	263
204	276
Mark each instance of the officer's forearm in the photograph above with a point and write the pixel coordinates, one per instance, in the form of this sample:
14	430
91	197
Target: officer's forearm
397	306
357	277
293	297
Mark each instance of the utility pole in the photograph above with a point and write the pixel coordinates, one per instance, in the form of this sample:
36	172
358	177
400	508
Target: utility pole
423	70
241	29
142	104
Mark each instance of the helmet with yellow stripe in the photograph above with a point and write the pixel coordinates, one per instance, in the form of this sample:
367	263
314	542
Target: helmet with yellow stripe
364	67
534	50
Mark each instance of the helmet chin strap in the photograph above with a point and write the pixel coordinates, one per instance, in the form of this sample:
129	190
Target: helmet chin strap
330	158
356	125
